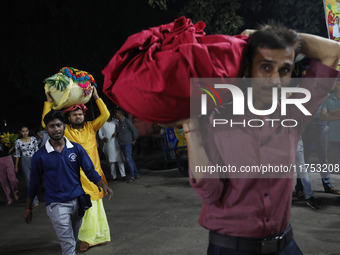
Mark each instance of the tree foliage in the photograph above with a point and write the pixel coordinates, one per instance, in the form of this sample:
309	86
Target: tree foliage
39	37
221	16
304	16
232	16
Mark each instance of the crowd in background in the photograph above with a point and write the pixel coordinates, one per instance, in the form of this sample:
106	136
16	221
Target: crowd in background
16	155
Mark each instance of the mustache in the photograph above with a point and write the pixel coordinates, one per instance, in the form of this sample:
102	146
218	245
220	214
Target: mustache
57	134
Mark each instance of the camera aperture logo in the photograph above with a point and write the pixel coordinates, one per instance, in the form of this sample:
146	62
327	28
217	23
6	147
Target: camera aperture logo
280	96
204	98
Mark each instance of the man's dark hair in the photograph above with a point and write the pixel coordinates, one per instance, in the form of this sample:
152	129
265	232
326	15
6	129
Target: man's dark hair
119	110
52	115
272	36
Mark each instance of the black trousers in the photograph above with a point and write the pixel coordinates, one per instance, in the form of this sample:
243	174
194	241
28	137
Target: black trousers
290	248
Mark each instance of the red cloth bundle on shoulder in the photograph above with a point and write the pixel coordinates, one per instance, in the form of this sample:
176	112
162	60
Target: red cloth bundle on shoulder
149	76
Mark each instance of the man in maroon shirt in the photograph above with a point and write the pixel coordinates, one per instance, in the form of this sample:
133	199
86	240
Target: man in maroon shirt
251	215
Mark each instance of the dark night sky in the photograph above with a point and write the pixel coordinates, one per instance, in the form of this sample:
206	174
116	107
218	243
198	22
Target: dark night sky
39	37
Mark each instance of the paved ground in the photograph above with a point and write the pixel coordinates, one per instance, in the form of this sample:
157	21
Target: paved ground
158	215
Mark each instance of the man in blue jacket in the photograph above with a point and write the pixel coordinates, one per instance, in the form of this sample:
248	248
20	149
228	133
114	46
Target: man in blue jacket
58	165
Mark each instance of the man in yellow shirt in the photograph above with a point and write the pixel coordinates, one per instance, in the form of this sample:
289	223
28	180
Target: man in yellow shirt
95	228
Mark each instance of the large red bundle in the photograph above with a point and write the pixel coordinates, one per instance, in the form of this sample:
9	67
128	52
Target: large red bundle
150	75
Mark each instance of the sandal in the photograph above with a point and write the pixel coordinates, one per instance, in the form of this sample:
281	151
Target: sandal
9	203
130	180
84	246
332	190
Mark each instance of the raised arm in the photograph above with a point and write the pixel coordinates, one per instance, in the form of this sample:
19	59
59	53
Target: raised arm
47	107
104	112
324	50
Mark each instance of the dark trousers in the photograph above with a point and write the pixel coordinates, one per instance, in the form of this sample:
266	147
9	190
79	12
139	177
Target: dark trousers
291	248
127	151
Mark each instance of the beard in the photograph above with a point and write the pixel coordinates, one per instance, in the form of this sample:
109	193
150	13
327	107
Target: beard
56	136
78	123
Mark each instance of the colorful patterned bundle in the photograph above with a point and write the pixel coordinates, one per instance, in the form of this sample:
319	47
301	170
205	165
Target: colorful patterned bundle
70	86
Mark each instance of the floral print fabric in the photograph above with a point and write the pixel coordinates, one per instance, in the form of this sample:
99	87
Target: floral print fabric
26	149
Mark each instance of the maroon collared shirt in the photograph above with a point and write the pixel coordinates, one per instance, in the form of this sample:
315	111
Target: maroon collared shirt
256	207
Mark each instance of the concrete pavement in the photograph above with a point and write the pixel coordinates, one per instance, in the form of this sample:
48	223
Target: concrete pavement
158	214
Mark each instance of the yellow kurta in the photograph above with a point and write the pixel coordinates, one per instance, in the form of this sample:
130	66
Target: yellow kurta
86	137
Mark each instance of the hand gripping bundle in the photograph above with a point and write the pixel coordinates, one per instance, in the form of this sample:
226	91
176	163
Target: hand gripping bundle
69	86
149	76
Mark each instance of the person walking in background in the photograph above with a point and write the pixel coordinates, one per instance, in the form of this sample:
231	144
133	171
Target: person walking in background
58	165
25	147
336	28
95	228
303	186
108	133
314	132
42	137
127	135
8	180
331	113
317	133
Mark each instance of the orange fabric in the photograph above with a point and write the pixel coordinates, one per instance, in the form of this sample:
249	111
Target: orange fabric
75	107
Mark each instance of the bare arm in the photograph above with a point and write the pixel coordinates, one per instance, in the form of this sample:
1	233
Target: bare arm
16	164
105	188
28	211
197	153
95	93
11	150
327	117
335	113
